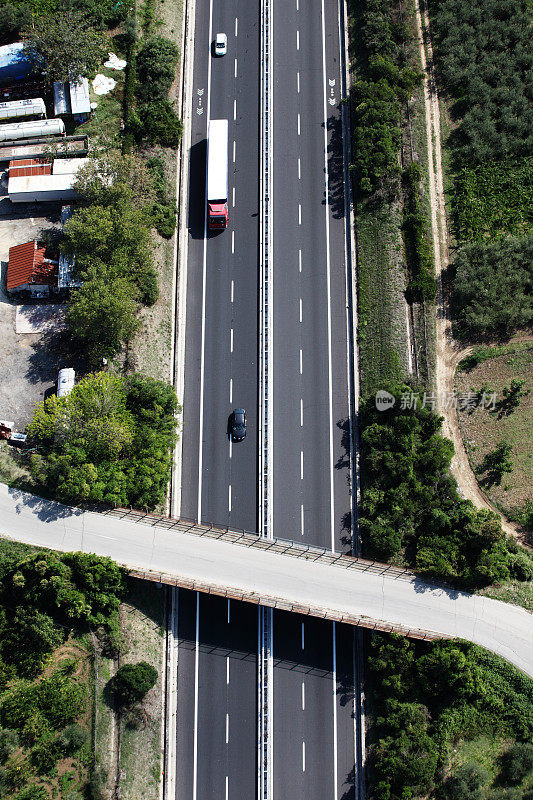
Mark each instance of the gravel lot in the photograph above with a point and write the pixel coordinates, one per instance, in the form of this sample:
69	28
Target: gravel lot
28	362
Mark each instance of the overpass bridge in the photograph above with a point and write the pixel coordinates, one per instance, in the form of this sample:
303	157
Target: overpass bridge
273	573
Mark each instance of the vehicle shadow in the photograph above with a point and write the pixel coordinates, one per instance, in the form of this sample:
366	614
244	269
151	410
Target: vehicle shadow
197	167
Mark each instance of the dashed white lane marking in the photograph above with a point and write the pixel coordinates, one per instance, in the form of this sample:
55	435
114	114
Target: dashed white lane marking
301	465
229	497
231	340
297	40
298	124
234	110
303	637
234	152
302	519
230	390
235	67
303	756
303	696
227	728
232	290
301	414
233	241
227	788
233	197
301	362
229	612
236	26
299	170
297	5
230	448
301	309
299	260
299	213
227	669
298	82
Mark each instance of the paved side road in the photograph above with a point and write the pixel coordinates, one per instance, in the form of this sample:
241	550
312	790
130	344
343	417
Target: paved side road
502	628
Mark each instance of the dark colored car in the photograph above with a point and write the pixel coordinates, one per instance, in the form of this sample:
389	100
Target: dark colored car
238	425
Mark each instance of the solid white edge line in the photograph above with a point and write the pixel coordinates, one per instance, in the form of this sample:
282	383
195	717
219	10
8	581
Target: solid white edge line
204	279
335	744
328	271
195	742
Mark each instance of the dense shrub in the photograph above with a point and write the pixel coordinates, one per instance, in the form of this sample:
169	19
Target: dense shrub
517	762
159	123
383	82
428	696
9	743
156	64
493	287
410	502
132	682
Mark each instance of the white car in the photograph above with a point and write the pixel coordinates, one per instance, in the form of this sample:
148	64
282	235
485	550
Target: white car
221	44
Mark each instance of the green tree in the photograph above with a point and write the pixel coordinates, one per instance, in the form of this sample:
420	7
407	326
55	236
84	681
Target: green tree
30	637
156	64
65	45
102	315
132	681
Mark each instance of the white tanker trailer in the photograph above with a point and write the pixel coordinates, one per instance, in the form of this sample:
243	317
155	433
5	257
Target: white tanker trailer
31	130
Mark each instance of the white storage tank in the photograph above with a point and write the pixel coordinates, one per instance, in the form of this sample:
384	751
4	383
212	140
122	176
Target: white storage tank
14	109
31	130
65	381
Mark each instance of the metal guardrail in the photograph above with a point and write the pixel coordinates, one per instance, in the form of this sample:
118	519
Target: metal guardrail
274	545
264	688
282	605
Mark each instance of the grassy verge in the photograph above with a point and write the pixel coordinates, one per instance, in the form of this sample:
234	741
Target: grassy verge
142	624
519	593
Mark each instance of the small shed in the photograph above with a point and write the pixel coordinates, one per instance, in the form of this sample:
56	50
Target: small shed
73	98
14	63
32	181
29	270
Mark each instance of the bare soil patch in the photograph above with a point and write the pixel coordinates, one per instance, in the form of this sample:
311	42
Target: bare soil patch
482	429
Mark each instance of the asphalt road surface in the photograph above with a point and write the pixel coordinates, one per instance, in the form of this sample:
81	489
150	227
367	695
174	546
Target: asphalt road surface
313	732
220	480
217	720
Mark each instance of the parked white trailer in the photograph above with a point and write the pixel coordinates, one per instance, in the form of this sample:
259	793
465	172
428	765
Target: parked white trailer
31	130
217	174
16	109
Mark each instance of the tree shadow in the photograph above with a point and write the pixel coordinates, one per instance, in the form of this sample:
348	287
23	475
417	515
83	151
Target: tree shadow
44	509
335	153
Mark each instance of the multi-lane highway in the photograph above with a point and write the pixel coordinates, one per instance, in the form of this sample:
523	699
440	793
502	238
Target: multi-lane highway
310	481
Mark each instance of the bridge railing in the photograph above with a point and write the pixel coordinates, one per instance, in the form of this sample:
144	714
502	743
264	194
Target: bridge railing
275	545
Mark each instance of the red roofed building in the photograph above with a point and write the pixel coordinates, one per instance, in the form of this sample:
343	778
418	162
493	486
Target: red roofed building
29	270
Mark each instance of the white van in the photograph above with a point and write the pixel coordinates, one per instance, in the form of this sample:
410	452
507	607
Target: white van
65	381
